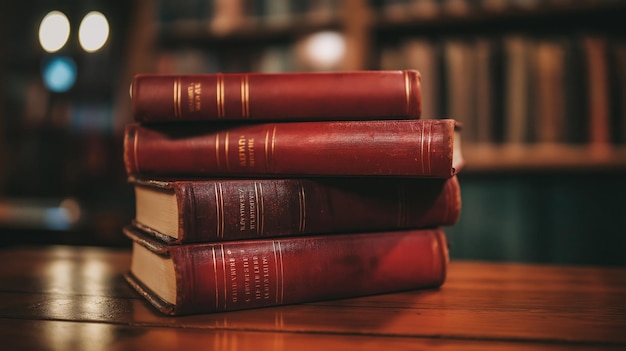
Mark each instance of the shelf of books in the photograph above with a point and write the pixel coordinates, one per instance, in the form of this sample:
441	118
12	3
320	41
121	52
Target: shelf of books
536	85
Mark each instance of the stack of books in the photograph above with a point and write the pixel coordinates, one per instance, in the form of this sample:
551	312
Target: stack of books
259	190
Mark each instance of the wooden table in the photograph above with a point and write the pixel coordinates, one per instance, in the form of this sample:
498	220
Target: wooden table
73	298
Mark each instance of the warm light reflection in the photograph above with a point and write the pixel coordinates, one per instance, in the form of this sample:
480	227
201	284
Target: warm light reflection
93	31
54	31
62	335
325	50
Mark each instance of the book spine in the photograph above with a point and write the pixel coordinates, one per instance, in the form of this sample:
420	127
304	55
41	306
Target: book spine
394	148
246	209
248	274
277	96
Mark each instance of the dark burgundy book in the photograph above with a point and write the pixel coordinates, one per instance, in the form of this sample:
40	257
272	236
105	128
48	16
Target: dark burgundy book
277	96
186	211
412	148
234	275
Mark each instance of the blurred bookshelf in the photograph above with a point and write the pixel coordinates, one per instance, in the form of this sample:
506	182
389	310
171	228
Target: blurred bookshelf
540	87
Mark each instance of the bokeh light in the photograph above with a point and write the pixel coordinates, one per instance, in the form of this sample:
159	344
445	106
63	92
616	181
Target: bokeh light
93	31
54	31
59	74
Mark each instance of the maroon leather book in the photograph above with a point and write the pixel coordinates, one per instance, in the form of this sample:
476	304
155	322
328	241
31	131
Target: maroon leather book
420	148
234	275
277	96
186	211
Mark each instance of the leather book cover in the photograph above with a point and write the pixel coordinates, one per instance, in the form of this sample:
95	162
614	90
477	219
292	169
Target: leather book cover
233	209
277	96
234	275
412	148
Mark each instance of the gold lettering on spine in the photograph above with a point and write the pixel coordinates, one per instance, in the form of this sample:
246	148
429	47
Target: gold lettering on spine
302	201
219	210
245	96
220	95
217	296
273	148
177	98
407	91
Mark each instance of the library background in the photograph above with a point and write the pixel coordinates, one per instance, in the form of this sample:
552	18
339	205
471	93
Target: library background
540	87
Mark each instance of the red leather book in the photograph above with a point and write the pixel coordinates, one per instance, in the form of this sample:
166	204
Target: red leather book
424	148
277	96
185	211
234	275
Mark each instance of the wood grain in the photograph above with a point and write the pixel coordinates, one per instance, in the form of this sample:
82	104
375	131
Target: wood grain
61	296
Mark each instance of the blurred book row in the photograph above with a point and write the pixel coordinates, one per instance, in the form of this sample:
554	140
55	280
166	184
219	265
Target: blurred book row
522	89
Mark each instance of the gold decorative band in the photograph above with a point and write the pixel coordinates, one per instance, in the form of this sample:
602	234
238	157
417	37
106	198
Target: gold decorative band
245	96
270	147
219	197
224	275
217	299
217	152
177	98
226	147
407	91
135	143
220	95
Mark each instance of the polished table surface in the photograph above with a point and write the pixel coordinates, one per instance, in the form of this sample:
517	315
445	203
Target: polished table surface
74	298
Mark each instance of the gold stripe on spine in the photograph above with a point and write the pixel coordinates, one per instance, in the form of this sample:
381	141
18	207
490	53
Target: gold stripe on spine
302	201
219	93
177	98
273	150
256	208
422	147
407	91
280	276
429	143
217	296
245	96
225	282
135	143
219	210
226	146
220	221
270	147
217	152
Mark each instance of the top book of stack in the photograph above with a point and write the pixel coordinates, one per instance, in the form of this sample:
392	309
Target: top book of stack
358	95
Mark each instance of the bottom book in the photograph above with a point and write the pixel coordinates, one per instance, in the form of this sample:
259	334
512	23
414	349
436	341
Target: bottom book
233	275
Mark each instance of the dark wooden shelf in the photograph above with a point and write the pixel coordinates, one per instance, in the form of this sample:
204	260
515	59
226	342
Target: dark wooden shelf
486	158
251	32
573	16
